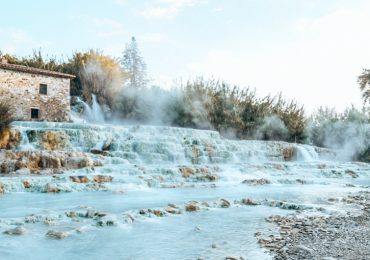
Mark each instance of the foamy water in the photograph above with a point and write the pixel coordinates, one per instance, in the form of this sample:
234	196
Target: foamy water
141	155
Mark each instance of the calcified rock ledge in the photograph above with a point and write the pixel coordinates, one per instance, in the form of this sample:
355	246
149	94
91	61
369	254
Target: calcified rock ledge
44	162
342	236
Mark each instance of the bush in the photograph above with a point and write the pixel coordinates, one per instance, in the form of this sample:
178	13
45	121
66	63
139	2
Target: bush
213	105
5	120
349	130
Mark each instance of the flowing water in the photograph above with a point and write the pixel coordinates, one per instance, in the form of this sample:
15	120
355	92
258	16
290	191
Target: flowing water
90	115
153	166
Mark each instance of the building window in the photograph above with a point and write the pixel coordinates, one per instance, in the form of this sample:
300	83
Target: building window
34	113
43	89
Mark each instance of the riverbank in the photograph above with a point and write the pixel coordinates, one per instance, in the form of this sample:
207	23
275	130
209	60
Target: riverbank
341	236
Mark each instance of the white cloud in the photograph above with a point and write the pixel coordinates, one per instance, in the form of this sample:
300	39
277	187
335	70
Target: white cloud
114	33
319	67
115	50
217	9
164	81
106	22
168	8
121	2
303	24
153	37
19	36
216	63
44	43
229	22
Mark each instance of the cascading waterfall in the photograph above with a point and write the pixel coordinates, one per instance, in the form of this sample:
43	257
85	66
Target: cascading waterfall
90	115
25	143
307	153
97	111
148	168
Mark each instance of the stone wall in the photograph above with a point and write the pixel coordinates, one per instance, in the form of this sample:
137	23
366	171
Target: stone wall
21	89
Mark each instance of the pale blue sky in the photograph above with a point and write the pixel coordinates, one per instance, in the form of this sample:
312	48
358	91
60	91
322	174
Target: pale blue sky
311	50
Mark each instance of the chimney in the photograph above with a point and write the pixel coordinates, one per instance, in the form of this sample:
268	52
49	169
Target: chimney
4	60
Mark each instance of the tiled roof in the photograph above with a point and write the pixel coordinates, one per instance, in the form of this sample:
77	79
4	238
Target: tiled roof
35	71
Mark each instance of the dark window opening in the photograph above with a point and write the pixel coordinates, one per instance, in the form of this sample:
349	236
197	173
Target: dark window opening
34	113
43	89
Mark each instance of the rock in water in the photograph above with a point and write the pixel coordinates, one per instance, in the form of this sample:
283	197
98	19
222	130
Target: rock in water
27	183
57	234
51	188
102	178
255	182
249	201
79	179
96	151
173	205
225	203
214	245
192	208
1	187
298	248
107	144
17	231
90	213
51	223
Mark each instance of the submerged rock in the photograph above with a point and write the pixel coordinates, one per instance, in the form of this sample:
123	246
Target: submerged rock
225	203
79	230
255	182
186	172
107	144
90	213
214	245
352	173
249	201
79	179
192	208
57	233
17	231
173	205
51	188
96	151
50	223
102	178
301	181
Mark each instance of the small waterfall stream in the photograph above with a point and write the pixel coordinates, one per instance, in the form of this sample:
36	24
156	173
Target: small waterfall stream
92	115
307	153
25	144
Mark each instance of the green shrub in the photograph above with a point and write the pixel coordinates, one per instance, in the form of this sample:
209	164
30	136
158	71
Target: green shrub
5	120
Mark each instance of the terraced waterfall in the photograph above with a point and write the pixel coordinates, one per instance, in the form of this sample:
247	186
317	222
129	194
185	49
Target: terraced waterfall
145	192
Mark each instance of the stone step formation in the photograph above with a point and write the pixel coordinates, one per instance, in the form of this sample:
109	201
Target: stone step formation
206	185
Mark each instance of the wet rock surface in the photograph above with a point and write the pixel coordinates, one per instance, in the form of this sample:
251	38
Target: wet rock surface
58	234
44	162
342	236
17	231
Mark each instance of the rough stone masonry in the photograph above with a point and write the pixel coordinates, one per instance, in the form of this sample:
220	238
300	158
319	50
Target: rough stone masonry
35	94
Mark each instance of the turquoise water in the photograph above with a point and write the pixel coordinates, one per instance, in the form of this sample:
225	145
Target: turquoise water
155	155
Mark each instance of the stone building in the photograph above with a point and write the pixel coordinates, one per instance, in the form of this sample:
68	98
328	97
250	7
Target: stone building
35	94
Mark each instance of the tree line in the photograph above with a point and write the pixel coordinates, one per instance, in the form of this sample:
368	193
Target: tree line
122	84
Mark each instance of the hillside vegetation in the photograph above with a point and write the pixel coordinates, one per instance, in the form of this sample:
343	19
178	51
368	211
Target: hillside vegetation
236	112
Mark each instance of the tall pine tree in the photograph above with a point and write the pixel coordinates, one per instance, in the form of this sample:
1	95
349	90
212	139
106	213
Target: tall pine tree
134	64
